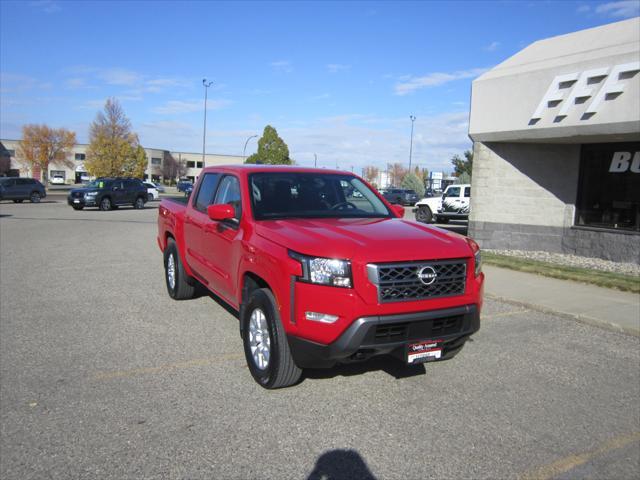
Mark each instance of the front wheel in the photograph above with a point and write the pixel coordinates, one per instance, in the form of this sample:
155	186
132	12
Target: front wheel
105	204
174	274
265	343
424	214
35	197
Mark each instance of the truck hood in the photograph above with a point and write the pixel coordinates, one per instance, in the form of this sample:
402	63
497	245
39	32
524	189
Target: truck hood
364	240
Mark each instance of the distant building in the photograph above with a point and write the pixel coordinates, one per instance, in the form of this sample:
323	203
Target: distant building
156	159
556	156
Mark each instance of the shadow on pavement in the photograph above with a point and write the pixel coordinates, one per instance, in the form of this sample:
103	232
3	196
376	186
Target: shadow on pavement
386	363
341	465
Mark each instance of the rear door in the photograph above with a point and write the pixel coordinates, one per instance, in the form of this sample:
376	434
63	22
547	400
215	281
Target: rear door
195	221
9	188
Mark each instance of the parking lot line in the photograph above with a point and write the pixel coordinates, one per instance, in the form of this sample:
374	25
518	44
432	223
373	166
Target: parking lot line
572	461
199	362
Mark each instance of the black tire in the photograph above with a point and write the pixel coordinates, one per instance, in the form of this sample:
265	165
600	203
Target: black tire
424	214
35	197
77	207
105	204
139	203
280	370
179	288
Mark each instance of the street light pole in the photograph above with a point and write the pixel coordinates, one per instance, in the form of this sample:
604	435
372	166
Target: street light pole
244	150
315	161
206	86
413	119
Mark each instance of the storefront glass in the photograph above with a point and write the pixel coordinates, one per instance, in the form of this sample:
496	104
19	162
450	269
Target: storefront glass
609	189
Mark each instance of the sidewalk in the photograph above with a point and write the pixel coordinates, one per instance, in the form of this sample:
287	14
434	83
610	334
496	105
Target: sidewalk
603	307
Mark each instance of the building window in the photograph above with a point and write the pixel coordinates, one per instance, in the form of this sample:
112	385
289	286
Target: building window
609	186
80	156
199	164
156	161
191	164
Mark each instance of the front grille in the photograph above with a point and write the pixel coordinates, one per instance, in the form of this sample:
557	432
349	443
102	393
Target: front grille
77	194
417	330
400	282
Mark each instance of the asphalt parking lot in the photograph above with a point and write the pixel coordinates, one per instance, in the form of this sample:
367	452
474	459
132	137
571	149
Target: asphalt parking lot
102	375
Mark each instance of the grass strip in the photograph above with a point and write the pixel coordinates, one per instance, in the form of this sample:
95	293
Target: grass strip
618	281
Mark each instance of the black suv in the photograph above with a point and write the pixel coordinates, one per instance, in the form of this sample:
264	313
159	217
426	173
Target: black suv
400	196
108	193
19	189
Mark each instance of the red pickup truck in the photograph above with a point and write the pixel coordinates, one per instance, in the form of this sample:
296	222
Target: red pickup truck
321	269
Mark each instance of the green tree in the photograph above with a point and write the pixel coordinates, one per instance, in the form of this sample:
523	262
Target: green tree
412	182
463	165
464	177
114	149
271	149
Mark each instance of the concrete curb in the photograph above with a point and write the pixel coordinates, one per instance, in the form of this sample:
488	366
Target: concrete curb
610	326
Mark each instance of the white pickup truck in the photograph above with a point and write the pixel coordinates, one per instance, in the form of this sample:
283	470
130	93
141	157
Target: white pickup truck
453	205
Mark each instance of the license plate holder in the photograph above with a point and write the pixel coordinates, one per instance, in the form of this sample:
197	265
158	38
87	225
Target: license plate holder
423	351
76	201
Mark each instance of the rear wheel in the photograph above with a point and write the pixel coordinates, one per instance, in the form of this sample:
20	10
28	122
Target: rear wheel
175	276
265	343
105	204
139	203
424	214
35	197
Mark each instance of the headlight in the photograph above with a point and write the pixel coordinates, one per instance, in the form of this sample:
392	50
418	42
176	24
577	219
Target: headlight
324	271
91	194
477	257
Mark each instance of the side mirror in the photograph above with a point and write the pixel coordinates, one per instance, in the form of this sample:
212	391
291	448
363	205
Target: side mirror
398	210
219	212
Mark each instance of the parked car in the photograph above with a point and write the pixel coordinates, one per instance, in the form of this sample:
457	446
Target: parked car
57	180
20	189
452	205
185	185
319	275
159	187
109	193
401	196
152	191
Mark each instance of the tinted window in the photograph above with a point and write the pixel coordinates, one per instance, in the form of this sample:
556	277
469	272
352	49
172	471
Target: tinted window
25	181
467	191
206	191
609	186
229	192
312	195
453	192
7	182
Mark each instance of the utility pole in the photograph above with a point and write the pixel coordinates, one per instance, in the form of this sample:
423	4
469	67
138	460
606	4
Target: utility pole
244	150
206	86
413	119
315	161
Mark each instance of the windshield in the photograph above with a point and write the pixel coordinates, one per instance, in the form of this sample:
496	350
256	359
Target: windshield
312	195
98	183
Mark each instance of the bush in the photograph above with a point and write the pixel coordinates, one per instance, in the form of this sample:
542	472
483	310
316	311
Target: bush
412	182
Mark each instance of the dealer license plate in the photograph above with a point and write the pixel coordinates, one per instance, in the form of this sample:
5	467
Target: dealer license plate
76	201
425	351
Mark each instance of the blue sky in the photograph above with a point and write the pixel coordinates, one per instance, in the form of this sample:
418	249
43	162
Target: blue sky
338	79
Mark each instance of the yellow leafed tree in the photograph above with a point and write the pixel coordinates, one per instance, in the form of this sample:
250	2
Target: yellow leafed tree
42	145
114	150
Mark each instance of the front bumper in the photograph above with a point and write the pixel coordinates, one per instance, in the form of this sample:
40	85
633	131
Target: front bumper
82	201
389	334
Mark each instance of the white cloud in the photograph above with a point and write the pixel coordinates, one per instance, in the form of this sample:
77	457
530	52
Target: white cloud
492	47
337	67
621	9
120	76
583	9
46	6
282	66
174	107
435	79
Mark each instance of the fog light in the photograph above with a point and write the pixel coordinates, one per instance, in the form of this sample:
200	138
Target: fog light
320	317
